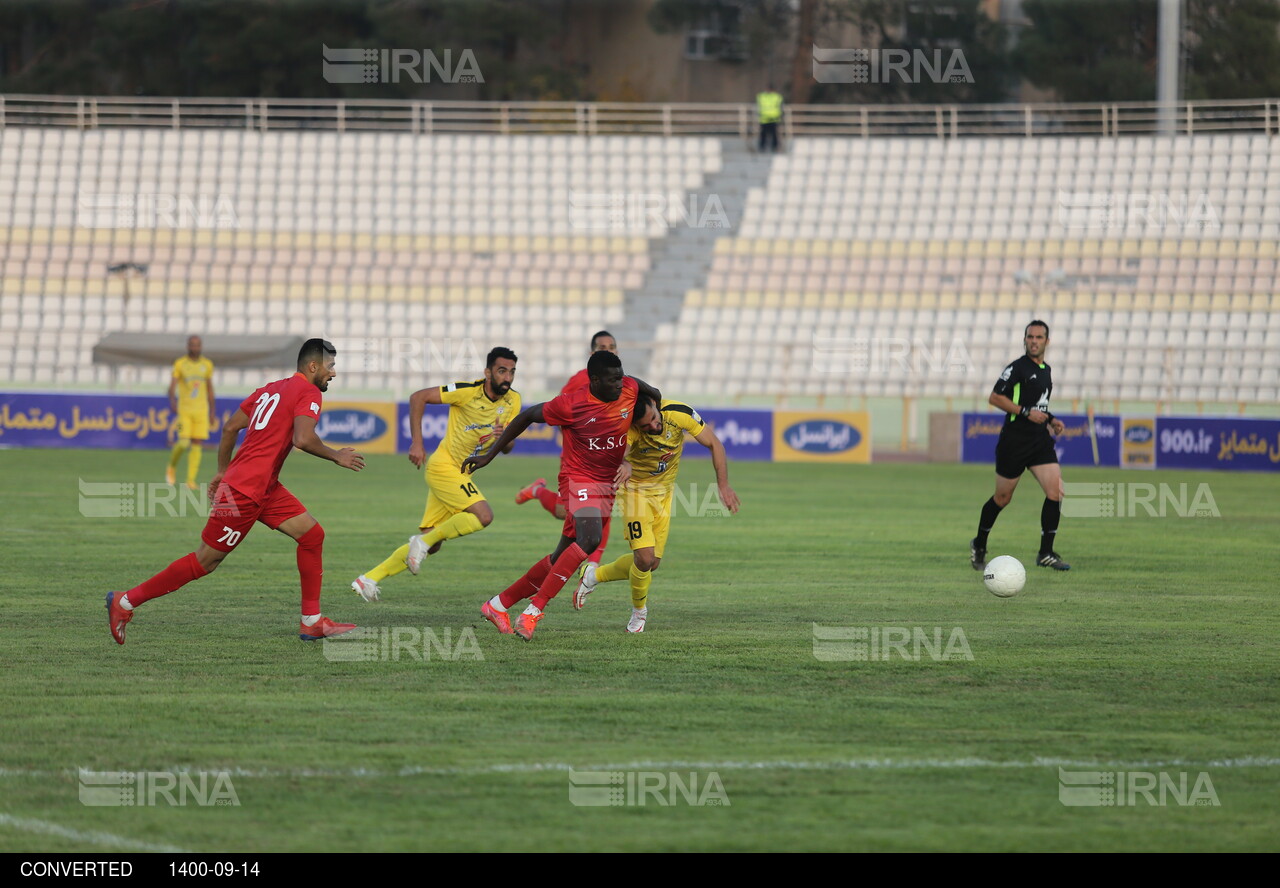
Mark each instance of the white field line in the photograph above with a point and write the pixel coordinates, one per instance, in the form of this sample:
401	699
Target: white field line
45	828
869	764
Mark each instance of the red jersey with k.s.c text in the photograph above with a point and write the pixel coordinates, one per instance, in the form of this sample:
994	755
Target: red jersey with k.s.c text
255	469
594	431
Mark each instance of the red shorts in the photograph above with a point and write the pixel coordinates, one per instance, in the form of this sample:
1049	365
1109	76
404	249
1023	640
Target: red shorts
578	494
233	515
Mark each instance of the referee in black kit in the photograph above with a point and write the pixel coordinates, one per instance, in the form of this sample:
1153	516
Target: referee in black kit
1026	442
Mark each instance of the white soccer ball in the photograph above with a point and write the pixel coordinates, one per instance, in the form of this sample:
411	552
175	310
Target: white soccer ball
1004	576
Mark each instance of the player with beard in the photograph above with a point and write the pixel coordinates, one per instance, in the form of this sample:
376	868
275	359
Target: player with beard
276	418
455	506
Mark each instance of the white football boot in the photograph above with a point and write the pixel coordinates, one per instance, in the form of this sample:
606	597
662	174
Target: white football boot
417	551
636	623
366	588
586	587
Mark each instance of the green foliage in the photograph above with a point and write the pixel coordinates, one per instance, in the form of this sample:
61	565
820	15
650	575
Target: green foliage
1090	50
252	48
1235	50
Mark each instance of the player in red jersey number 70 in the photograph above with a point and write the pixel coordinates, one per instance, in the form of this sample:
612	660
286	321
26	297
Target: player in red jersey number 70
278	417
595	421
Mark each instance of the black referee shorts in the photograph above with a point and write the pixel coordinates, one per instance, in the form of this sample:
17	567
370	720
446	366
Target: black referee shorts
1015	455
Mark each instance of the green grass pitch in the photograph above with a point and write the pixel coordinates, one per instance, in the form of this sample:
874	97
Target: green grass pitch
1157	652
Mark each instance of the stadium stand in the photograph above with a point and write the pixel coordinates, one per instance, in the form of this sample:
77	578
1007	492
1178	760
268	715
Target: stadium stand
449	237
1154	259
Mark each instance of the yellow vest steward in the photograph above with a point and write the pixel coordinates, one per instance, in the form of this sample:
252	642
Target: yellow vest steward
770	104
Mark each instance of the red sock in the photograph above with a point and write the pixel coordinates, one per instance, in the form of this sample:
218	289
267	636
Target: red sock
171	579
528	584
549	499
569	561
595	556
311	568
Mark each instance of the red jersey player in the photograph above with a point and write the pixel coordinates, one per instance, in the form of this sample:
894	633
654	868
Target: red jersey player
247	489
550	499
595	421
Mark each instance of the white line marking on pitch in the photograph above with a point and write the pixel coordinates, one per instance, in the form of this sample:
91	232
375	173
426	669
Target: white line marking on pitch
777	765
45	828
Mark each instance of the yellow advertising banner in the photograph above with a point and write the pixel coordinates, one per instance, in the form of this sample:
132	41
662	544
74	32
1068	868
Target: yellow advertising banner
1138	442
368	426
821	436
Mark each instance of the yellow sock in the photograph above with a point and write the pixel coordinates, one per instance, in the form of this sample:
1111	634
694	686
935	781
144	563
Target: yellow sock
459	525
618	570
640	580
193	463
176	453
391	566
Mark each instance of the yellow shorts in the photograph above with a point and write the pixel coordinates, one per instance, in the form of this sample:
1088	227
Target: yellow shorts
193	424
449	491
647	517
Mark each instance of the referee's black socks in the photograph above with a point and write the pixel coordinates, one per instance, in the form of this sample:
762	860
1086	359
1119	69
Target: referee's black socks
990	512
1050	512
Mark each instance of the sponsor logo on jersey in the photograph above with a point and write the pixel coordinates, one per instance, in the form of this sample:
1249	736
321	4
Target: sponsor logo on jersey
822	436
350	426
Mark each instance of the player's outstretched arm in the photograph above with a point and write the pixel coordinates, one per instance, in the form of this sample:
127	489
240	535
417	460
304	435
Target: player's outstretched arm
648	390
526	418
720	462
417	406
226	446
306	439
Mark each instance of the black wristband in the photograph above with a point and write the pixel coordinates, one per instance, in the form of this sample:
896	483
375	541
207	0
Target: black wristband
1025	411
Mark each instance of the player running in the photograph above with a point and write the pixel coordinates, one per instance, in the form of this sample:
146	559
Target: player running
595	421
1026	442
654	445
191	398
550	499
278	417
455	506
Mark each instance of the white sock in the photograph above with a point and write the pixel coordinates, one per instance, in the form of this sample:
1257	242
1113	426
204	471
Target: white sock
496	603
310	620
533	610
124	602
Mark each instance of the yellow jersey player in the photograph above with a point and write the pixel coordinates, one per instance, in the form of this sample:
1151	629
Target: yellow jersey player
654	445
191	398
478	413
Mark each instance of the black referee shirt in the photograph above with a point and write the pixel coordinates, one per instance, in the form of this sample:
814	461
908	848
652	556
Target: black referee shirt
1027	384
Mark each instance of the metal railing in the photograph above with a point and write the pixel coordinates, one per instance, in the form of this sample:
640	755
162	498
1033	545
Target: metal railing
621	118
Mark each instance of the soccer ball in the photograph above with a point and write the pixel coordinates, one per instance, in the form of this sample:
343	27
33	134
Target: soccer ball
1004	576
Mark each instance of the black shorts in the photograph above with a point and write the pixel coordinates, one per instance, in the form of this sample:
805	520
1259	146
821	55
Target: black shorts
1016	455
